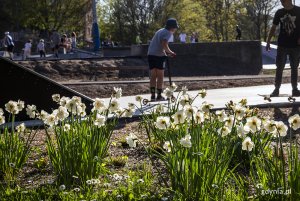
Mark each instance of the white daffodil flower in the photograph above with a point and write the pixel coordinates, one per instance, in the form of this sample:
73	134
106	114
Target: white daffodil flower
179	117
253	124
131	106
163	123
56	98
31	111
247	144
128	113
51	120
229	122
173	87
62	187
100	120
139	99
239	111
186	141
184	100
203	93
205	107
63	101
20	105
114	105
99	105
72	106
241	131
221	115
1	112
184	90
117	177
270	126
43	115
199	117
21	128
168	92
131	140
76	99
224	131
12	107
117	93
2	120
294	122
189	112
167	146
282	129
61	113
67	127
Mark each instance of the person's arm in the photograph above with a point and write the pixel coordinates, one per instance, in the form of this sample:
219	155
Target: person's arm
276	21
166	47
271	34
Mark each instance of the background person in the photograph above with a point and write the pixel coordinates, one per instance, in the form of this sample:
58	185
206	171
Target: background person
55	41
138	40
157	55
182	37
27	49
238	32
73	41
196	37
171	40
41	48
288	43
64	43
193	38
9	44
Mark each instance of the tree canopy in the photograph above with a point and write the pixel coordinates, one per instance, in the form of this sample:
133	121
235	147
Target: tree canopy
214	20
123	20
44	15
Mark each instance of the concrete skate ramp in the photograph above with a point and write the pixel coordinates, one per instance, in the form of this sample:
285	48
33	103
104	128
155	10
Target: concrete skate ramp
20	83
212	59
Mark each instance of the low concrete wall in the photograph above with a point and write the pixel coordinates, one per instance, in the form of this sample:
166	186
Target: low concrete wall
212	59
116	51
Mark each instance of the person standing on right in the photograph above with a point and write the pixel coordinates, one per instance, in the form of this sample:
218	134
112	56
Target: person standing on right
288	18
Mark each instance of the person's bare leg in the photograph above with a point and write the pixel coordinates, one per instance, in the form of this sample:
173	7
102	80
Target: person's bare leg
160	82
153	79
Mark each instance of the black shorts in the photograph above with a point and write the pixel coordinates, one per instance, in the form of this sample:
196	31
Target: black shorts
10	48
156	62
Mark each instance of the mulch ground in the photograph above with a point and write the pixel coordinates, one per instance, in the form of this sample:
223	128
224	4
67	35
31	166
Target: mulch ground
32	176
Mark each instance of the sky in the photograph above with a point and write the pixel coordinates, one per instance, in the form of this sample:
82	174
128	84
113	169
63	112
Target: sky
297	2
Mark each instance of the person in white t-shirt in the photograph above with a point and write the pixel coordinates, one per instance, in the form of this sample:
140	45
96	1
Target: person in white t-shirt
27	49
182	37
41	48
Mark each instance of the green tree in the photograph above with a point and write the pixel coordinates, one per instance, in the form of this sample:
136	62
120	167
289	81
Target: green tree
43	14
124	19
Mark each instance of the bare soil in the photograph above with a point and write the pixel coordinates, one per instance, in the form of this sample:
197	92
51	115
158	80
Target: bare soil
104	91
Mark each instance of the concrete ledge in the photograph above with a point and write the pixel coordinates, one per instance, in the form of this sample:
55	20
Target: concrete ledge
212	59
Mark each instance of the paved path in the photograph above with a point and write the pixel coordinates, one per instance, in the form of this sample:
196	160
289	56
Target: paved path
219	97
175	79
